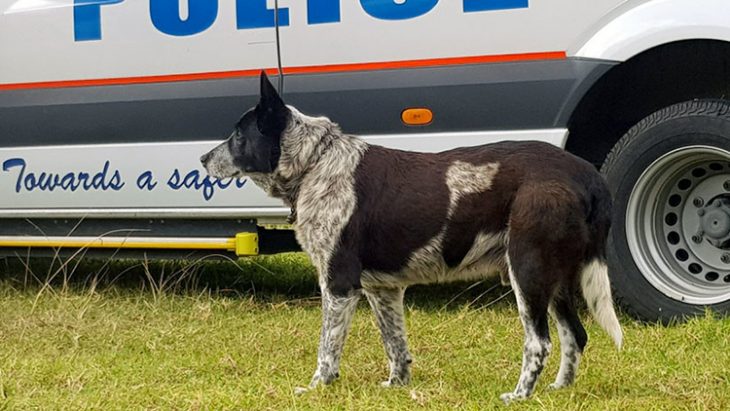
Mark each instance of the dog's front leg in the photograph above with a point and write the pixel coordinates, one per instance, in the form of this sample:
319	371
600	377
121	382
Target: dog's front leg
337	313
387	304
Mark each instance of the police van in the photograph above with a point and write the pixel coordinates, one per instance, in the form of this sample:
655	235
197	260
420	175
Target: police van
107	105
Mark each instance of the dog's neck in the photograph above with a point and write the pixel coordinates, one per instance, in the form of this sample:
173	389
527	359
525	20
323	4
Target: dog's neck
287	186
304	145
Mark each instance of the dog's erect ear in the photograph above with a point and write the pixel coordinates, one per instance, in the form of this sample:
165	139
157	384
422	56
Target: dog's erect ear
269	96
271	110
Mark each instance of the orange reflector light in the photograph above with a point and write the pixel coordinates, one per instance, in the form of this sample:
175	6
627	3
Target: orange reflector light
417	116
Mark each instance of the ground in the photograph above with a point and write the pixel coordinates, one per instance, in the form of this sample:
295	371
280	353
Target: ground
135	335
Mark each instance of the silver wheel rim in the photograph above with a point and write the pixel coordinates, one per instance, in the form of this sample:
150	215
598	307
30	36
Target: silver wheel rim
665	227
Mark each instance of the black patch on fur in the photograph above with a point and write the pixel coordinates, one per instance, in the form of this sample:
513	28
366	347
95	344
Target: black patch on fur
272	115
256	141
402	201
253	151
345	266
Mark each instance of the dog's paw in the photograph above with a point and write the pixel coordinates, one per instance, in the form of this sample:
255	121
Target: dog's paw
557	386
301	390
509	397
396	382
316	381
392	383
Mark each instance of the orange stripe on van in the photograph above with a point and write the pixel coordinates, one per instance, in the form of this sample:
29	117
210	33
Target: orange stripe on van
455	61
332	68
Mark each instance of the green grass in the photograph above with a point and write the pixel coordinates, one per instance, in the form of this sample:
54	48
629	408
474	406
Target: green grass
225	336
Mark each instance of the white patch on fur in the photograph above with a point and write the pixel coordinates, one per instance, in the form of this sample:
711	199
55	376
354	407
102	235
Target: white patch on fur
596	289
569	353
521	304
463	178
483	243
427	265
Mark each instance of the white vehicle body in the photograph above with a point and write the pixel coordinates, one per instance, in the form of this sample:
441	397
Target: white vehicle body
39	35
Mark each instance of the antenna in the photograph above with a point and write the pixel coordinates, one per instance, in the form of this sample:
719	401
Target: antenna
278	49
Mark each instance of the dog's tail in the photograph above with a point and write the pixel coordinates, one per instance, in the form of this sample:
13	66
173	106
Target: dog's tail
597	292
594	280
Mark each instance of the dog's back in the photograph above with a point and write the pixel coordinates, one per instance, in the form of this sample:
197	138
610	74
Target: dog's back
458	208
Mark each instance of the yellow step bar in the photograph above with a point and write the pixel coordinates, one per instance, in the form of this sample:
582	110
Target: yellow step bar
243	244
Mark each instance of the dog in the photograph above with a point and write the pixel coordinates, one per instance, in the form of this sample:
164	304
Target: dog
375	220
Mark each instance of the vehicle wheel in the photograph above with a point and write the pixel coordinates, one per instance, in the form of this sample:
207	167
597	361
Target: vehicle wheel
669	246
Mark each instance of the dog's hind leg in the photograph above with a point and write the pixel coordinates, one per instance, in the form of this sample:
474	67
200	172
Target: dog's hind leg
547	241
572	336
387	304
532	304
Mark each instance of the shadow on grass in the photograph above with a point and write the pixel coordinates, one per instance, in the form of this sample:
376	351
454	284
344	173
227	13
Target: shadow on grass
278	278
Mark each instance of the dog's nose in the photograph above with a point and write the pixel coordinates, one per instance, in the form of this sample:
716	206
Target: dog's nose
204	158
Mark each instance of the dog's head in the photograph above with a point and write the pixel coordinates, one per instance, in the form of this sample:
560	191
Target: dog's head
254	146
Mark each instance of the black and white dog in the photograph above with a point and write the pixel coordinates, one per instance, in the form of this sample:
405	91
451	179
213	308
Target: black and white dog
375	220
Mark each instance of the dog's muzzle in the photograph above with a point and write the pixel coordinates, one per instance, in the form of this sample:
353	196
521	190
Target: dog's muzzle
204	159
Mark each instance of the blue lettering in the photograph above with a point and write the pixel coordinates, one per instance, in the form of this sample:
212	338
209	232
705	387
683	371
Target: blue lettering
87	18
485	5
225	183
146	181
323	11
15	162
165	16
253	14
390	10
70	181
29	182
84	179
46	182
99	181
106	180
193	180
174	181
208	187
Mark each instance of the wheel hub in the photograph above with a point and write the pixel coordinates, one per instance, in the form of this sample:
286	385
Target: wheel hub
705	221
715	221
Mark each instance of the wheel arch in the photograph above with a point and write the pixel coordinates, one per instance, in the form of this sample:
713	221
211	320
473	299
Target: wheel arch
638	25
661	76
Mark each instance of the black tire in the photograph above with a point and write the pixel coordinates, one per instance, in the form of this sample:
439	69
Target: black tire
647	172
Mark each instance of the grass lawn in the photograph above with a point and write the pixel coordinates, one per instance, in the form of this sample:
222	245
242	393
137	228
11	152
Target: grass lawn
227	336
